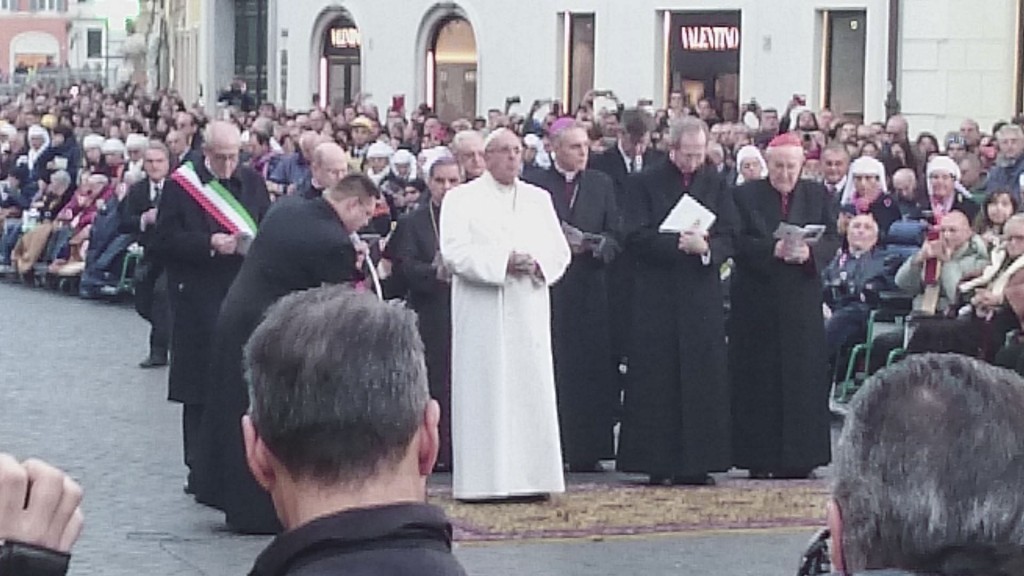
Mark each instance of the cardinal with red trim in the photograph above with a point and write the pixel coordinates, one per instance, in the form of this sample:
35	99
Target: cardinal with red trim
777	354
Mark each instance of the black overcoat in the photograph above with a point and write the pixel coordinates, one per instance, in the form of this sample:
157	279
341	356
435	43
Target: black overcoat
415	248
676	416
580	331
301	244
622	270
777	347
198	279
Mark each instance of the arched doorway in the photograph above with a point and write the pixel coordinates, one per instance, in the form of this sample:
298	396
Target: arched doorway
340	62
451	69
34	50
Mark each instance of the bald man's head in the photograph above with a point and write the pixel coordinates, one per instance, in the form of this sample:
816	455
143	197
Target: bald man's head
904	183
222	144
329	165
956	230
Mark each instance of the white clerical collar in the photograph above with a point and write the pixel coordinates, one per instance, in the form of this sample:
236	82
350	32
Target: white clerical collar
569	176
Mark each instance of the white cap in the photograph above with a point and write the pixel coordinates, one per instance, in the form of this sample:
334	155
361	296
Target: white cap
8	130
403	157
136	142
944	164
112	146
37	131
379	150
92	141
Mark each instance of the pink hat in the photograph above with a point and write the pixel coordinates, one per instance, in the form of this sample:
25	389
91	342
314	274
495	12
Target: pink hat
787	139
561	124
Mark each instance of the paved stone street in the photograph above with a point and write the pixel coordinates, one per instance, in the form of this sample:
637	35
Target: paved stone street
70	393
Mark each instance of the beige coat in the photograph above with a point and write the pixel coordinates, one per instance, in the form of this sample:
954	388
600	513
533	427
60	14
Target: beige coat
969	260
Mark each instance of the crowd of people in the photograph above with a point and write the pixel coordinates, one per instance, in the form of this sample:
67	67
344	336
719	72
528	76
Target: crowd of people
555	298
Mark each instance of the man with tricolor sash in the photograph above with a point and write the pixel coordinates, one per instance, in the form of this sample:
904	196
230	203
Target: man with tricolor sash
208	216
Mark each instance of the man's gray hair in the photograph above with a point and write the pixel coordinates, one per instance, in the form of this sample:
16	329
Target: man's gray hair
161	147
60	177
337	384
929	469
686	125
461	138
1010	129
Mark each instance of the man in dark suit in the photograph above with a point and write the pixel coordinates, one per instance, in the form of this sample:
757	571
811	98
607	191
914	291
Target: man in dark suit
584	366
138	214
675	425
416	247
202	255
620	162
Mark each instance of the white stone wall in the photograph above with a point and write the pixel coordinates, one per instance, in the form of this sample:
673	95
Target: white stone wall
957	62
518	46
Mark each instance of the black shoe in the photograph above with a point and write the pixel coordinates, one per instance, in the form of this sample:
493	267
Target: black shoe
760	475
794	475
154	361
659	480
584	467
697	480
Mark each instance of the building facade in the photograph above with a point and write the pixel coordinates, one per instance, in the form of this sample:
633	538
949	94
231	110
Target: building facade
940	60
33	34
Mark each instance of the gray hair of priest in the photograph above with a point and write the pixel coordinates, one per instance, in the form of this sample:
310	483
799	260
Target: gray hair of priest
929	469
337	384
685	126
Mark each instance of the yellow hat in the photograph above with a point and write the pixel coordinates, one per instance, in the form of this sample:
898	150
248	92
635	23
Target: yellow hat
49	121
361	122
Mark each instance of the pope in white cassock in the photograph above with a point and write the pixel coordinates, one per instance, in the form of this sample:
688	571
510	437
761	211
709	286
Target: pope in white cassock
501	240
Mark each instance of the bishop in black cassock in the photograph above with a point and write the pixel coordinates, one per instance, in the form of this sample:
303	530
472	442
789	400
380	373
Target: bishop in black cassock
584	368
416	245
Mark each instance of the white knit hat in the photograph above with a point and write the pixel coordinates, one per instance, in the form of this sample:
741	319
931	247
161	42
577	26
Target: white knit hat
944	164
136	142
380	150
92	141
112	146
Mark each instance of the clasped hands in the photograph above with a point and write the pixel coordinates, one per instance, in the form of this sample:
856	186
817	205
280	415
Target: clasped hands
797	253
520	264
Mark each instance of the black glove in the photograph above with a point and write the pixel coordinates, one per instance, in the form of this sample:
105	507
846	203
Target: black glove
18	559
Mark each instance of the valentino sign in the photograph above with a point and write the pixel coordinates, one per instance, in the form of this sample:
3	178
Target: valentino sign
345	38
710	38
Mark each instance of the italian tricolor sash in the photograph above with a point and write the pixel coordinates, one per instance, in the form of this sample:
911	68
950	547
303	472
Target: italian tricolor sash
216	200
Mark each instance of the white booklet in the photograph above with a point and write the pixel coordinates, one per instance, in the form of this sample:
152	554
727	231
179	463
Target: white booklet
688	215
791	233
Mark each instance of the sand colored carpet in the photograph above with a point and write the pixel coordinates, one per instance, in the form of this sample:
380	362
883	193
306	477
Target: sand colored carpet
595	510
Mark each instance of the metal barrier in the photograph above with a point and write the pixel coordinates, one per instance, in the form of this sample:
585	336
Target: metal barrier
15	83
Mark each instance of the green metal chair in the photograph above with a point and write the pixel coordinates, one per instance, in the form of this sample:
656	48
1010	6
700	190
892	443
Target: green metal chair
879	322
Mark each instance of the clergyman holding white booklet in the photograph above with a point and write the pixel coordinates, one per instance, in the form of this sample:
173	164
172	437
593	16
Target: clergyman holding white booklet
676	417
